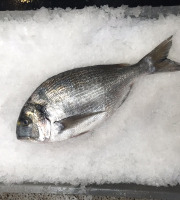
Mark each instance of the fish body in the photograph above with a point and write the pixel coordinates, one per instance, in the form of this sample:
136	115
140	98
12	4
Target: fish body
76	101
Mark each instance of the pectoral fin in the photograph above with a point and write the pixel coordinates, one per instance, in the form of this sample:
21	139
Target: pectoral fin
73	121
78	124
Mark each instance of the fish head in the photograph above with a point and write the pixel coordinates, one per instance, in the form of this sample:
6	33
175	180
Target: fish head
32	124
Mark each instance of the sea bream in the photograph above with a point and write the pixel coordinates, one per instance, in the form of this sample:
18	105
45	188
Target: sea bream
76	101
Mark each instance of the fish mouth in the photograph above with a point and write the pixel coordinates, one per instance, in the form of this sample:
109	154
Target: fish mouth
23	133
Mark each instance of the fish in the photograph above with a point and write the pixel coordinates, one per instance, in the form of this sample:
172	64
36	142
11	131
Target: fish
77	101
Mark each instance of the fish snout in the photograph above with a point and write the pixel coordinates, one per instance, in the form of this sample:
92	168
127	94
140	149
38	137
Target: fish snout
23	132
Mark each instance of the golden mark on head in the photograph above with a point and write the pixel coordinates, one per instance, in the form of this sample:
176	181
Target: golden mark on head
32	115
25	1
18	123
29	113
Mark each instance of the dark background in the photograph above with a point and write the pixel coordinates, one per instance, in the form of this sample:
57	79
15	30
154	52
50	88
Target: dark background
35	4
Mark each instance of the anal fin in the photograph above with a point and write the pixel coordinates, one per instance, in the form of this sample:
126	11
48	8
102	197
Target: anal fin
126	94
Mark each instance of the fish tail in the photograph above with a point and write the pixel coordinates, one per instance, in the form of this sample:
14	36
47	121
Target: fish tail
157	59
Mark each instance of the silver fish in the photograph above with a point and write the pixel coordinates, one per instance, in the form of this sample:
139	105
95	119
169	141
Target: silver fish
76	101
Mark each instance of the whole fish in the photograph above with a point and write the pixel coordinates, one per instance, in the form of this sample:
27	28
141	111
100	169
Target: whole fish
74	102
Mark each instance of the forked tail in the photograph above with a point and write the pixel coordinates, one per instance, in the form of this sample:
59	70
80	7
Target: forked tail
157	59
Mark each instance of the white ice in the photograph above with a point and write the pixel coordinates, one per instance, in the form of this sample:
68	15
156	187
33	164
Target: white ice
139	144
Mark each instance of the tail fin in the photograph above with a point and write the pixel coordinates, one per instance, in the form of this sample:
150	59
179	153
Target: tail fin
157	58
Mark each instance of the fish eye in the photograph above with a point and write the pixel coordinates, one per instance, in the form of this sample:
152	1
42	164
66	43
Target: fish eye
26	122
